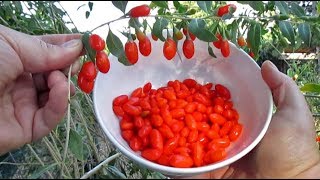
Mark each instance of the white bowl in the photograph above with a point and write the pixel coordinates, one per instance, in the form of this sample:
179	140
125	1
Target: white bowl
239	72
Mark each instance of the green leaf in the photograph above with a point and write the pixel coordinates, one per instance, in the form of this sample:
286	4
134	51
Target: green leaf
123	59
158	27
145	24
311	87
176	4
197	27
182	9
87	14
210	51
287	31
254	37
256	5
283	7
226	16
37	174
305	33
297	10
114	44
90	4
205	5
290	72
18	6
234	32
157	175
162	4
77	146
115	173
120	5
135	23
191	11
85	41
197	24
133	36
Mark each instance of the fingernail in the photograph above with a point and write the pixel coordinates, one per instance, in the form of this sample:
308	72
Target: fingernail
271	65
72	43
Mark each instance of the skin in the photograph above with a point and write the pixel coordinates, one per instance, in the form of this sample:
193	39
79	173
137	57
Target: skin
289	149
33	87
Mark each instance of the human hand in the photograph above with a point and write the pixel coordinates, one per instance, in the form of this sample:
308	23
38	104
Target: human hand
33	90
288	149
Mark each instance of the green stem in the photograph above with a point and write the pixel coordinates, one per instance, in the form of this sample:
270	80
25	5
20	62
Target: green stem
4	21
280	56
98	167
68	120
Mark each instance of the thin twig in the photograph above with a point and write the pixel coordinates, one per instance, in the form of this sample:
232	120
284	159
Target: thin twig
21	164
91	142
68	16
4	21
38	158
312	96
98	167
281	53
107	23
54	142
37	21
316	115
56	156
76	168
68	120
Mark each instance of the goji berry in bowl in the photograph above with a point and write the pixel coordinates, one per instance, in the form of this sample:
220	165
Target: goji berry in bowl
247	92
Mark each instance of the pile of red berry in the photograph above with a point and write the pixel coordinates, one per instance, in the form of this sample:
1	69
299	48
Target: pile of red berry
184	124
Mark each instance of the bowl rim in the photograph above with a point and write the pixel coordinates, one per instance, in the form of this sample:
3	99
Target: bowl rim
194	170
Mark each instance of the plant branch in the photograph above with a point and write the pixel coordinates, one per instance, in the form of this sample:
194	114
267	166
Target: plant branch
68	120
38	158
68	16
98	167
107	23
312	96
4	21
280	53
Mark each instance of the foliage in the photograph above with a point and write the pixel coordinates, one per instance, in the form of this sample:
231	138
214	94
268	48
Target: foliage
286	24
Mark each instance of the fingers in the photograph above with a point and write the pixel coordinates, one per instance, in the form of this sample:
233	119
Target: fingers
286	93
74	70
46	57
47	117
58	39
39	56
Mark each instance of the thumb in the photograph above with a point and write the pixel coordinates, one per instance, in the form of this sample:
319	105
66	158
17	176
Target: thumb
286	93
41	56
37	55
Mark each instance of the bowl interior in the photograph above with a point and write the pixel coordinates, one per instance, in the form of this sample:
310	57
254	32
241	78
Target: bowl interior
250	95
